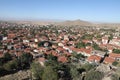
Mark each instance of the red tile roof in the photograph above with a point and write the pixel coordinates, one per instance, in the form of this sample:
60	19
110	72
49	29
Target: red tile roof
54	53
48	52
11	35
88	51
67	53
113	55
60	49
62	59
86	41
41	48
94	58
75	49
109	60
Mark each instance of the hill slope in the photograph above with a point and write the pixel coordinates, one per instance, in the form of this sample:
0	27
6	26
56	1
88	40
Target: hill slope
75	22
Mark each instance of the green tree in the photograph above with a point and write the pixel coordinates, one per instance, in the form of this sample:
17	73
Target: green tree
25	60
110	37
15	64
11	65
76	57
115	63
115	77
87	66
88	44
79	56
116	51
87	36
37	70
1	61
49	74
2	71
65	69
51	57
118	65
40	44
7	57
80	45
74	73
52	61
94	75
96	47
0	44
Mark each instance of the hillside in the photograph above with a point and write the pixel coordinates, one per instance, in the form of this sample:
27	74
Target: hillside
75	22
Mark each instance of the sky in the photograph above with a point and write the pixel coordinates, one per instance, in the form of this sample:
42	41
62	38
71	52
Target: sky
89	10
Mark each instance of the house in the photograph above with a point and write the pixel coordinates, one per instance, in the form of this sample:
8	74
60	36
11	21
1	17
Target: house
66	37
4	38
36	40
94	58
98	53
34	45
104	40
62	59
85	52
115	41
36	55
75	50
9	46
86	41
67	53
60	49
60	44
97	41
115	56
11	35
42	49
110	49
89	47
103	46
54	53
26	41
67	48
108	60
71	43
54	46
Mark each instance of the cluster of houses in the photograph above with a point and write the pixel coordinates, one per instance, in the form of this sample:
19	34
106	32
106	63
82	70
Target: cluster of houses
57	41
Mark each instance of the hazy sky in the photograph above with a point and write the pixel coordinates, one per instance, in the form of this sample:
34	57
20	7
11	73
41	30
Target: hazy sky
90	10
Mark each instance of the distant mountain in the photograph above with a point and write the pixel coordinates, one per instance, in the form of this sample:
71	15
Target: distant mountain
86	23
75	22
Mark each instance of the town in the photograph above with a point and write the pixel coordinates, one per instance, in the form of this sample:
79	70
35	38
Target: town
63	52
